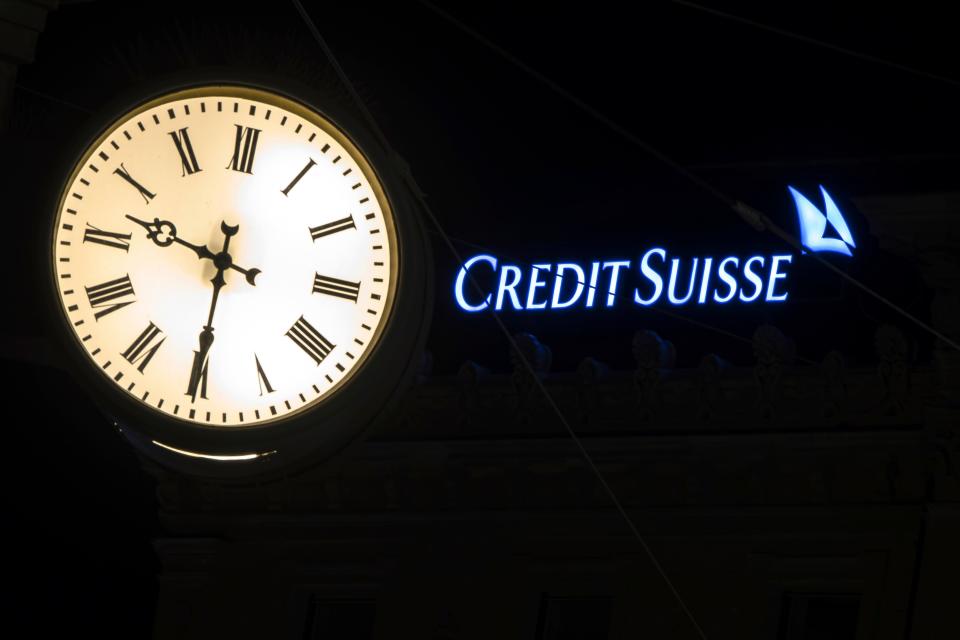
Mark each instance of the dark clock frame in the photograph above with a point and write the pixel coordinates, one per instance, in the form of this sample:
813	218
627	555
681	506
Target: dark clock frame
318	432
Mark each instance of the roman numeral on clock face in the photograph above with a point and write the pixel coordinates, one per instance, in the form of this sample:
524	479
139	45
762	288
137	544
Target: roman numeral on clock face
309	340
144	347
107	238
336	287
188	160
244	149
198	375
332	227
262	377
296	179
146	193
109	296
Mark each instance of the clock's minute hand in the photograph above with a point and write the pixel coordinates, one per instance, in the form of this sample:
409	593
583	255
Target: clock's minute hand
198	371
163	233
198	378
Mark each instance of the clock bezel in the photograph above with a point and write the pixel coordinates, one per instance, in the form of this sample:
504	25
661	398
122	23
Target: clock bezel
319	429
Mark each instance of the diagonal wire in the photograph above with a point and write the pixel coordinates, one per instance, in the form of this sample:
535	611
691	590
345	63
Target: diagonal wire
818	43
411	183
789	239
583	106
55	99
836	161
757	219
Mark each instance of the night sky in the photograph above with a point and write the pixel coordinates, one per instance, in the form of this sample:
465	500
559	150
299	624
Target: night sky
508	166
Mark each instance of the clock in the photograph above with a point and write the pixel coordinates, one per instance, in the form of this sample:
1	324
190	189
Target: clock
238	273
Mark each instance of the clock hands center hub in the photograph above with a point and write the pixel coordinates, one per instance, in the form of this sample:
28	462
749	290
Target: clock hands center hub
222	261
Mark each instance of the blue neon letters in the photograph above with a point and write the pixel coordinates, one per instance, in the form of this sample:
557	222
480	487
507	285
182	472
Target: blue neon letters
656	278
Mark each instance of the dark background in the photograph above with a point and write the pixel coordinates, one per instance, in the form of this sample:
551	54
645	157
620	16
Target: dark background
507	165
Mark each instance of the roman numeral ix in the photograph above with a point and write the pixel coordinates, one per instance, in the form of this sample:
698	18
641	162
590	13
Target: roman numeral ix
107	297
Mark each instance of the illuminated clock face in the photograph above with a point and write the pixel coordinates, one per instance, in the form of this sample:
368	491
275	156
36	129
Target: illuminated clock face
226	256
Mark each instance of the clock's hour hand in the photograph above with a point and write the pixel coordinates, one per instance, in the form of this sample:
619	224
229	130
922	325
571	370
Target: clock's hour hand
163	233
201	250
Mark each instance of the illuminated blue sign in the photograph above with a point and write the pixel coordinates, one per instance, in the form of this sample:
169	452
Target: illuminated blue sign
678	281
656	278
813	224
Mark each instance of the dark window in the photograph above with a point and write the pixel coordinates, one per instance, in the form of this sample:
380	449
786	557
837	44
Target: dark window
339	619
574	618
814	616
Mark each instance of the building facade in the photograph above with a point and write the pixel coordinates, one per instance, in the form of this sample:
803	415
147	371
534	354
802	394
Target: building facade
785	499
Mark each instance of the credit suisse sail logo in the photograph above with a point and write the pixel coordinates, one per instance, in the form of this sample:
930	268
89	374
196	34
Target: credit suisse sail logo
660	277
813	224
